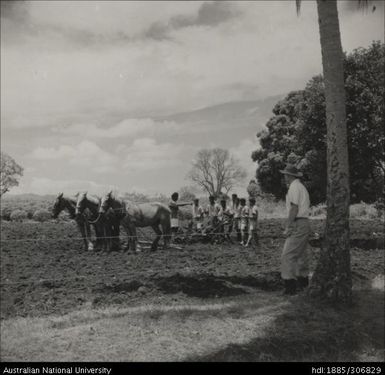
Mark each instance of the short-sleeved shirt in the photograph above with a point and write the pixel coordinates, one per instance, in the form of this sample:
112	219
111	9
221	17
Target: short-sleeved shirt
233	208
174	208
298	195
238	212
245	214
213	210
253	214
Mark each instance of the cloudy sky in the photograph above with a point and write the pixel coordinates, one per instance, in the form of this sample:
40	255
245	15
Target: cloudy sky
99	95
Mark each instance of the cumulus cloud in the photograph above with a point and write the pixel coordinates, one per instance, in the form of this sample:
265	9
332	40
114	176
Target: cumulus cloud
47	80
209	14
126	128
86	23
86	154
66	21
146	154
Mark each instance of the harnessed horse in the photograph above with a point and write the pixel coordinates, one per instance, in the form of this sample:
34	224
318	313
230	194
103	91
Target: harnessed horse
106	229
152	215
69	204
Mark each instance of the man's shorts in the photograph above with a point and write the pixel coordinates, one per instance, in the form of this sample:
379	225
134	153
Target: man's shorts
174	223
243	226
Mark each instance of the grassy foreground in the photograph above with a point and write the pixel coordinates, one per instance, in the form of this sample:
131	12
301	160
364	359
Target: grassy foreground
260	326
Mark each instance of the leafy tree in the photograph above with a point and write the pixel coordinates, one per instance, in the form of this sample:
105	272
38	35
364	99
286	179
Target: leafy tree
297	132
215	170
10	172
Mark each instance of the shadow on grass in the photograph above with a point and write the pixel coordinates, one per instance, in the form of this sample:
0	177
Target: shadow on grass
208	285
202	286
360	243
311	331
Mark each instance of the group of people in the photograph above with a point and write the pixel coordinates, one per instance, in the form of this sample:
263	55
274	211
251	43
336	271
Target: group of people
243	218
220	218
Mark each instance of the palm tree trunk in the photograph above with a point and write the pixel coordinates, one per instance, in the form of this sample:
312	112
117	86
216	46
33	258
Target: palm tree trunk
332	278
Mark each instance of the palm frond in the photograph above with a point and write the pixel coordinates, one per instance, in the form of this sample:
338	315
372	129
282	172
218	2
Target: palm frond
363	3
298	6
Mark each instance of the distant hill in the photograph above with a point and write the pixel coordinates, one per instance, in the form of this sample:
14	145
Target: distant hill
27	197
247	110
225	124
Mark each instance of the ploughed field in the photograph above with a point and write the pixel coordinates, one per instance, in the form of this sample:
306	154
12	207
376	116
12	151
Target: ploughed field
45	270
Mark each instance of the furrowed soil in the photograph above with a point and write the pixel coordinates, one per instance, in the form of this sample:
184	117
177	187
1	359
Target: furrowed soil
45	270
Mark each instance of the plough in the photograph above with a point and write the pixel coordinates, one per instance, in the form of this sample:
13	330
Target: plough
146	245
208	233
187	235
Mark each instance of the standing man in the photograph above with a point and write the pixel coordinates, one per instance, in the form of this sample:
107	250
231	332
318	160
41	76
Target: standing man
244	220
234	201
253	223
212	211
224	215
197	214
237	218
294	262
233	209
174	208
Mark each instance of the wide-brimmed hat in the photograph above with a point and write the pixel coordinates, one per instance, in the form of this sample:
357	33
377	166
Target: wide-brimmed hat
291	170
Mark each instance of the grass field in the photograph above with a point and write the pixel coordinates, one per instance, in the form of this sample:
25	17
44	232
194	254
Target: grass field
260	327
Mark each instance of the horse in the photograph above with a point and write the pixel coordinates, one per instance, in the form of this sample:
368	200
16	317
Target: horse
104	229
69	203
152	215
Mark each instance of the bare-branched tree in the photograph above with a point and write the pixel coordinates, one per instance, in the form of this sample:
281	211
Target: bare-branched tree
216	170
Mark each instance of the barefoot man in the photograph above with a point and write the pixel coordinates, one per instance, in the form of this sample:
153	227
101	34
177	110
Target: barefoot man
174	208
